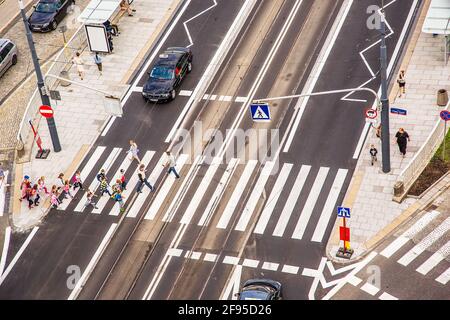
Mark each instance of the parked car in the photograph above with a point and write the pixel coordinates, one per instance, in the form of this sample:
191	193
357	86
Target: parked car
8	55
260	289
48	13
167	74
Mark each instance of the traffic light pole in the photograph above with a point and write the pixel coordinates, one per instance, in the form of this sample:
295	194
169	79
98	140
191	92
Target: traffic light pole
40	81
385	144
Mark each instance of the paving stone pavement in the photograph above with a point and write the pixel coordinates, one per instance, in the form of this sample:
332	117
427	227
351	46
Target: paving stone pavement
79	131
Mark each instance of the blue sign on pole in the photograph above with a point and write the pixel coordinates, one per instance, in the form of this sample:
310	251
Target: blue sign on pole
260	112
399	111
445	115
343	212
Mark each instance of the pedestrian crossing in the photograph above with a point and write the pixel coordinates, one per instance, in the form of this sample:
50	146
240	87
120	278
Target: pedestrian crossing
300	203
414	247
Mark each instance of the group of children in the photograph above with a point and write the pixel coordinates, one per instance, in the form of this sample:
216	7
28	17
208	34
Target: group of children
117	189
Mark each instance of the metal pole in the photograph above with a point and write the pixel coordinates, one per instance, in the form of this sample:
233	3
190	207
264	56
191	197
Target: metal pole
445	131
385	143
40	81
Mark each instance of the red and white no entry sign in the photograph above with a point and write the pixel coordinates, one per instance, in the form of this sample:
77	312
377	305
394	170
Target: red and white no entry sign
46	111
371	113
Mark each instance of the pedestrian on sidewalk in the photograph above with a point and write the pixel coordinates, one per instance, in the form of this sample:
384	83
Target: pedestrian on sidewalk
24	187
54	200
42	186
104	187
89	199
171	164
125	6
402	140
401	83
134	151
66	190
373	153
76	181
142	179
123	180
78	62
31	194
34	195
61	182
98	62
119	198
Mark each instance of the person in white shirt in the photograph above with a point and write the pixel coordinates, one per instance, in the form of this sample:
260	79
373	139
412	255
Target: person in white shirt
171	164
134	151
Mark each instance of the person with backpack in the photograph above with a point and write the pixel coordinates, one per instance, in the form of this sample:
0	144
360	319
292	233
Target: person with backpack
24	187
33	196
119	198
76	181
104	187
101	175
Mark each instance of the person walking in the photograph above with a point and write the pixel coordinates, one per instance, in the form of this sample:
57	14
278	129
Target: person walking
76	181
61	182
90	200
142	179
104	187
54	200
402	140
123	180
171	164
134	151
34	195
101	175
401	83
42	186
78	62
98	62
373	153
117	187
66	190
24	187
119	198
125	6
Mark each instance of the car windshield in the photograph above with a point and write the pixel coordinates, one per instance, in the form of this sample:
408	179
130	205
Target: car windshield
162	72
253	295
46	7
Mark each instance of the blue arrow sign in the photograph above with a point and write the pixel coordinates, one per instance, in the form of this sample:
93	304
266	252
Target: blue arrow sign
399	111
260	112
343	212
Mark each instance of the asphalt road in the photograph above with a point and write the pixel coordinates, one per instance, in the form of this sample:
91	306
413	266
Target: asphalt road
215	230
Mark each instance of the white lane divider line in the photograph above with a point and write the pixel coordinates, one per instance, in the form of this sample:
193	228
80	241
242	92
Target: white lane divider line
395	245
370	289
168	183
241	99
270	266
273	198
5	249
137	89
231	260
185	93
132	183
329	206
387	296
233	285
444	277
210	257
90	267
251	263
254	196
425	243
142	197
192	18
237	193
174	252
18	254
294	195
290	269
218	193
193	255
201	191
434	260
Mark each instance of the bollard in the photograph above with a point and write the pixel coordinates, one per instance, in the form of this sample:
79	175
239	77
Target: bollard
399	188
64	74
442	97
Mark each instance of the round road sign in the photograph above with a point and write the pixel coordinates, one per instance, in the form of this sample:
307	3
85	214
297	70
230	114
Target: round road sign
371	113
445	115
46	111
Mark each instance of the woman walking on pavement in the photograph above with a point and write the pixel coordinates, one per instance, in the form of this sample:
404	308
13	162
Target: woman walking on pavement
134	151
402	140
401	83
78	61
98	62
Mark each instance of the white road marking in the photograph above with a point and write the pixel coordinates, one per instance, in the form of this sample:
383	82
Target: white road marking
301	104
76	291
218	193
431	238
5	249
194	255
270	266
354	281
251	263
190	19
137	89
387	296
210	257
329	206
185	93
340	270
166	187
201	191
254	197
434	260
237	193
91	162
310	202
290	269
444	277
241	99
181	192
231	260
142	197
18	254
95	183
3	193
233	284
370	288
273	198
411	232
132	183
174	252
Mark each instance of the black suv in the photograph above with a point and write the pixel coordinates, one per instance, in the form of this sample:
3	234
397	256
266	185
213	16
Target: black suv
167	74
48	13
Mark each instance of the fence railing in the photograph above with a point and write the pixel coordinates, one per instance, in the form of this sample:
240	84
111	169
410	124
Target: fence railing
62	62
423	156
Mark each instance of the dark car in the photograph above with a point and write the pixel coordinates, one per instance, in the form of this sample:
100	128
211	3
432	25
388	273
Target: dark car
167	74
48	13
260	289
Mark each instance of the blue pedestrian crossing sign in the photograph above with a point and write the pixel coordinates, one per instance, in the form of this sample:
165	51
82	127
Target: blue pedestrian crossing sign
260	112
343	212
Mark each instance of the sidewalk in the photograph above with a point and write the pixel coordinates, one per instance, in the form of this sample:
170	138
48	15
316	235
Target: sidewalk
373	213
80	115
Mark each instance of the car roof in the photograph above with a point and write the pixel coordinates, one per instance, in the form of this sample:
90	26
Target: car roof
4	42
